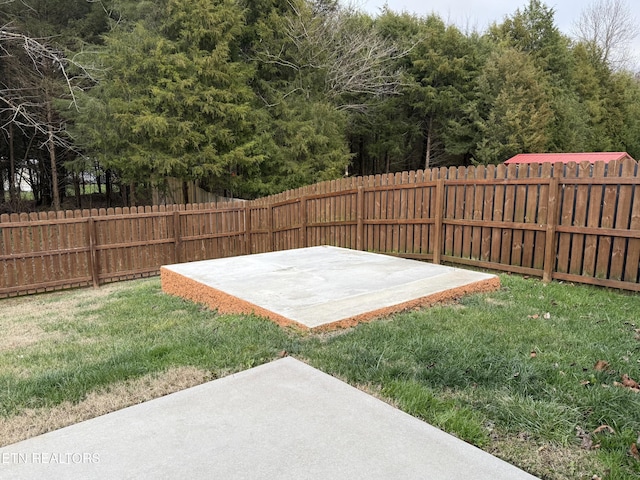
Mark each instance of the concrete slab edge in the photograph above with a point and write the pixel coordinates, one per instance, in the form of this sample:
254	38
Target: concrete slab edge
176	284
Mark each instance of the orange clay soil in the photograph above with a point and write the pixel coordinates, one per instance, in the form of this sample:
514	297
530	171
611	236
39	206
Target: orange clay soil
184	287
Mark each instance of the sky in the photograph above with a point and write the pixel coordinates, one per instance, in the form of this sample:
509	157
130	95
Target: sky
479	14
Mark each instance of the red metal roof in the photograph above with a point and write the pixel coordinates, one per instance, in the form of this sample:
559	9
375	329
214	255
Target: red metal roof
591	157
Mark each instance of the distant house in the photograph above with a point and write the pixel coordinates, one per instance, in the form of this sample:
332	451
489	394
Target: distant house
591	157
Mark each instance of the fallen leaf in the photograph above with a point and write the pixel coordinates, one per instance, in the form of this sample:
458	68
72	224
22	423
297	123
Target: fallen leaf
546	316
634	451
596	477
533	354
534	316
283	354
629	382
585	383
602	428
587	443
628	387
601	365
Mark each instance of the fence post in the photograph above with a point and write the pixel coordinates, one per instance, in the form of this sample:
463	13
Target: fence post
360	218
177	243
303	221
552	223
270	242
93	254
437	243
247	230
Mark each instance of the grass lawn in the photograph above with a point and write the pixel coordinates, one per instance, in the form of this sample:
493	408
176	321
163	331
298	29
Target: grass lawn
532	373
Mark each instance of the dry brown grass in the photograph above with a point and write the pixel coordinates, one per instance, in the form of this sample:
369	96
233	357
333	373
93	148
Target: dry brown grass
24	320
548	461
33	422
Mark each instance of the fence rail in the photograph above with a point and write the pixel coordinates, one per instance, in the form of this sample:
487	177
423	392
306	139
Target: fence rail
574	222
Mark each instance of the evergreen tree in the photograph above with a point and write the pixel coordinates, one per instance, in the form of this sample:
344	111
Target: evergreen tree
513	107
176	99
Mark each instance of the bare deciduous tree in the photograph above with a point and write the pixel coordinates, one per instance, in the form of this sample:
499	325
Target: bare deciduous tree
33	69
609	26
354	59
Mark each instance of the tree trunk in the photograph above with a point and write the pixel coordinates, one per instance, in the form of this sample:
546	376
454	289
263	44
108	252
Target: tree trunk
132	193
427	155
108	186
51	144
361	155
44	184
76	189
13	195
123	193
185	192
98	178
2	190
387	161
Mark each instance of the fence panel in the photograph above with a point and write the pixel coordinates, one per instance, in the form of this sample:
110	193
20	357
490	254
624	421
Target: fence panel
573	222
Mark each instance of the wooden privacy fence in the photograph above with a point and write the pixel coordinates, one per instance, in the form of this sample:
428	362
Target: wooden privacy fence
574	222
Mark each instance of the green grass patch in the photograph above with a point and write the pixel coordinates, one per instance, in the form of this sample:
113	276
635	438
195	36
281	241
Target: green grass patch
511	371
517	363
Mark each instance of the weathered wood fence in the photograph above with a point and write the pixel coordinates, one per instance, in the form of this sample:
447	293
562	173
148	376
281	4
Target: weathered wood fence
574	222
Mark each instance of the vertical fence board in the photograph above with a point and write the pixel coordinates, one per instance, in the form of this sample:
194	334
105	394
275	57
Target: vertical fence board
47	272
411	214
423	212
566	218
622	221
79	242
487	215
458	214
542	217
530	217
467	215
632	265
508	215
607	219
579	220
498	214
120	253
449	213
52	244
478	210
63	243
400	213
593	221
391	198
518	217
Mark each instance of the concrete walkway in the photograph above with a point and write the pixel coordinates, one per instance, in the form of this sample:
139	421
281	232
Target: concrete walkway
281	420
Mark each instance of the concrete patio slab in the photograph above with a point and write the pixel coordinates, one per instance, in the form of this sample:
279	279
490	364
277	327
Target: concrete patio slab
320	288
283	419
